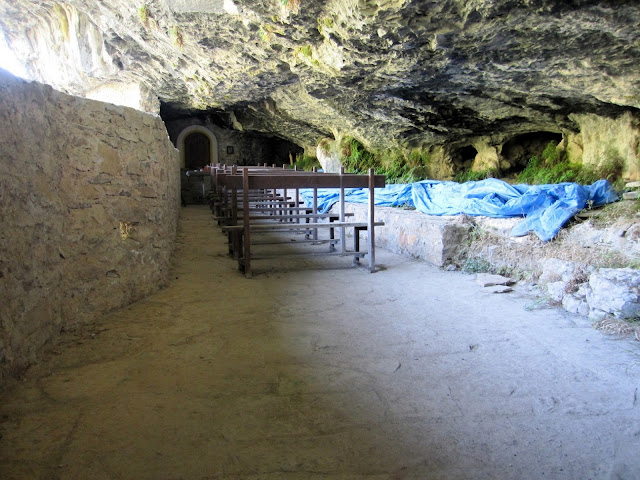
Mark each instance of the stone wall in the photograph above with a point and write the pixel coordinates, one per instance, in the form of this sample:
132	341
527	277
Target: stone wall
89	202
434	239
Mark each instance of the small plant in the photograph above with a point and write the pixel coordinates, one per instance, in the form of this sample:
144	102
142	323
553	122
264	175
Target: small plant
552	155
355	158
325	146
400	167
323	23
306	162
542	302
508	271
143	14
306	51
267	30
175	34
265	35
476	265
475	234
125	230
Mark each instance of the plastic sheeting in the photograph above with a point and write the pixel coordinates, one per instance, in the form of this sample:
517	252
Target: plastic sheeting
544	208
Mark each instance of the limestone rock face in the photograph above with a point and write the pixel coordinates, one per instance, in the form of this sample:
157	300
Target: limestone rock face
389	72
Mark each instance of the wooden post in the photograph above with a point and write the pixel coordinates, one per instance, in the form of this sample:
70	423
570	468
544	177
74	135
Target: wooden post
246	230
213	172
370	222
315	208
343	230
234	201
285	204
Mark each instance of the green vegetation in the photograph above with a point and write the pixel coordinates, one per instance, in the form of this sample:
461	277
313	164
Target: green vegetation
477	265
553	166
306	162
400	167
326	22
267	30
325	146
143	14
176	36
355	158
306	54
395	164
265	35
306	51
471	176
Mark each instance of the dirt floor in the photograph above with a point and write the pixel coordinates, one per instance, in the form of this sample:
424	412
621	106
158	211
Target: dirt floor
325	373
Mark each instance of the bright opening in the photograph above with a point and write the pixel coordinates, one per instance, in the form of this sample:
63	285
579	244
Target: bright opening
9	61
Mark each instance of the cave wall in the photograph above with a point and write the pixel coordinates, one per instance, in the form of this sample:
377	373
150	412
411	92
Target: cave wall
89	203
607	139
249	148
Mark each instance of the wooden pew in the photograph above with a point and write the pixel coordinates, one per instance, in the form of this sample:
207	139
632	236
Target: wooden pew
277	207
224	206
251	181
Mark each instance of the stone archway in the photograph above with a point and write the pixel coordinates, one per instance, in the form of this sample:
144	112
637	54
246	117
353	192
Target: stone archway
213	143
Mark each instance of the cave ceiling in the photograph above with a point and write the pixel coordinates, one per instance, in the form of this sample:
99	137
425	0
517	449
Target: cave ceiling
389	72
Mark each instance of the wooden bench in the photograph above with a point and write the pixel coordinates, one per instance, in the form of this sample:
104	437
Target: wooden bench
249	181
224	206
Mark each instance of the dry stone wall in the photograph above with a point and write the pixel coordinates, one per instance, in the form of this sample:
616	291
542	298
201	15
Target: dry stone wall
89	203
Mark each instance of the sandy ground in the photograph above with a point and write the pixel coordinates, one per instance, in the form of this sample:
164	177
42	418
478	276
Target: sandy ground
407	373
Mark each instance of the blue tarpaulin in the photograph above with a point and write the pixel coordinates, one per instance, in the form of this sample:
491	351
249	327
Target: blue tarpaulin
544	208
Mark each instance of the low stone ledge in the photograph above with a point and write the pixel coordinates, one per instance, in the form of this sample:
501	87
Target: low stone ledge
436	240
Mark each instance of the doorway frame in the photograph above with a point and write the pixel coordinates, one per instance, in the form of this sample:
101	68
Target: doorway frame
213	143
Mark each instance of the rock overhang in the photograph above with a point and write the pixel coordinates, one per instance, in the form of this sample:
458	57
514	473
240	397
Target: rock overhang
392	73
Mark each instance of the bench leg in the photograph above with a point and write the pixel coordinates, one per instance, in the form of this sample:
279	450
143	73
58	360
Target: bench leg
356	245
332	236
235	243
230	242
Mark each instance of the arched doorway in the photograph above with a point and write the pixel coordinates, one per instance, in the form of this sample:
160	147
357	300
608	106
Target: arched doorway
197	151
186	133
